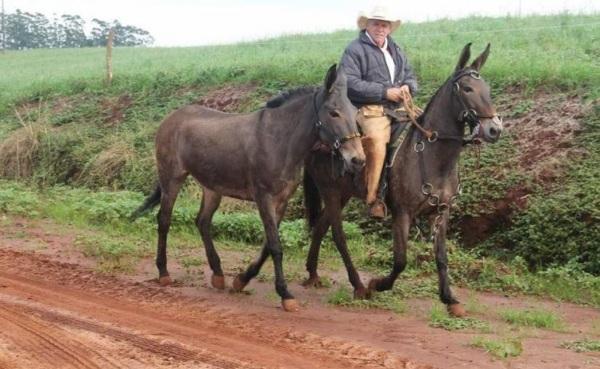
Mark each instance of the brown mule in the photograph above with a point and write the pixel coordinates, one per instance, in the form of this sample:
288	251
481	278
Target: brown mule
256	157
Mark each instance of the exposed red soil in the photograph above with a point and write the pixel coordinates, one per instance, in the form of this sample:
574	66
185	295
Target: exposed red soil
57	312
115	108
228	98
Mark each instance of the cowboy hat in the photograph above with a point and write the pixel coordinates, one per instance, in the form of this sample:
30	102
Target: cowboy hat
379	12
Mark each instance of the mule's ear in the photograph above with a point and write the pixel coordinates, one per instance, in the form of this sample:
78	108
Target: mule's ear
480	61
330	77
464	57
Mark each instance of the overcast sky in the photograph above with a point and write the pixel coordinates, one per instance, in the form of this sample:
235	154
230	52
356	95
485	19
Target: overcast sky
202	22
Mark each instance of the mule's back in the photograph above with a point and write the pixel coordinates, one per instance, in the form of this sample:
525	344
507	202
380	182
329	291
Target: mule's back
210	145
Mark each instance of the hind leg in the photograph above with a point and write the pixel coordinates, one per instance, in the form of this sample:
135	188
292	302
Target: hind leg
210	203
333	208
312	260
242	279
170	189
400	229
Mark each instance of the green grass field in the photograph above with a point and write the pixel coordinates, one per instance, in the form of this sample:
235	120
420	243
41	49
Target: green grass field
554	51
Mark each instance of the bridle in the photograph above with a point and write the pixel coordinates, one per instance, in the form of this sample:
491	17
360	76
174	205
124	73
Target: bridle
467	115
332	140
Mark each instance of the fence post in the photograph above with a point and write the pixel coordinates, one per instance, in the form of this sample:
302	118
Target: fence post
109	45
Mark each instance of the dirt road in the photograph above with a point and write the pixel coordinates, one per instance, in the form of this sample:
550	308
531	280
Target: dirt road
56	314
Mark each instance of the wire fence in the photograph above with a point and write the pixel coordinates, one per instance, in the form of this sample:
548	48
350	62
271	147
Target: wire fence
285	38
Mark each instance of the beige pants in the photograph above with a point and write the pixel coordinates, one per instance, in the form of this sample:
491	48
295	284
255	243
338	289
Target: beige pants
376	128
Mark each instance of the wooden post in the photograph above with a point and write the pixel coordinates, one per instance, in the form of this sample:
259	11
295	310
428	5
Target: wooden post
109	44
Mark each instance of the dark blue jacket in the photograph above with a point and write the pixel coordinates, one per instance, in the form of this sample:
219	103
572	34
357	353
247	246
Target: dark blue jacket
368	74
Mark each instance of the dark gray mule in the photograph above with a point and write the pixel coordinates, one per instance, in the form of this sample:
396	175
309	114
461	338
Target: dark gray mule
423	179
256	157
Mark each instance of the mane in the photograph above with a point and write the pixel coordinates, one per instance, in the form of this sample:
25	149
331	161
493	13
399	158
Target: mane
288	95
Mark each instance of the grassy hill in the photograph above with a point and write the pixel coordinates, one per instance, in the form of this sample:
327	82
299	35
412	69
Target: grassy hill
59	123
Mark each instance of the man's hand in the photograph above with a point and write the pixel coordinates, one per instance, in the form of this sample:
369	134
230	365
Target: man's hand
397	94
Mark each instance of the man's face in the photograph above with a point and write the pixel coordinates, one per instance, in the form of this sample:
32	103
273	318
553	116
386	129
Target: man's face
379	30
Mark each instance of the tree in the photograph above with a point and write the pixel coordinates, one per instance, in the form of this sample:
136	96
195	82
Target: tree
25	30
72	29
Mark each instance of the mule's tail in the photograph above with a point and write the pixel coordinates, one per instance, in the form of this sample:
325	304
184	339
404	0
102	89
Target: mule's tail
312	200
149	203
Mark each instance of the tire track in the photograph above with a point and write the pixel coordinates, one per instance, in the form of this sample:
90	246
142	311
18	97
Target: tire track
213	327
48	344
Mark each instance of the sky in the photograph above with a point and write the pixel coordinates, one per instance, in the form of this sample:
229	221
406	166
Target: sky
209	22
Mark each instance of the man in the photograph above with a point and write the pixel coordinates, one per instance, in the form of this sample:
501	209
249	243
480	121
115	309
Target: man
378	76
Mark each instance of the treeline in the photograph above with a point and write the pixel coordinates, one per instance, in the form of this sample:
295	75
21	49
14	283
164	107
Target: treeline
24	30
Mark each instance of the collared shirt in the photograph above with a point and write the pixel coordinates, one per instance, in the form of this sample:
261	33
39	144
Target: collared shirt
389	61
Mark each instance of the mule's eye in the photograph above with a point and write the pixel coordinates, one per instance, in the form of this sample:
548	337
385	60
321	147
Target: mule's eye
467	89
334	114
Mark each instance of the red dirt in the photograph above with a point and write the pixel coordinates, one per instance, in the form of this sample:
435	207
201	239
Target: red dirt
115	108
57	312
229	98
546	134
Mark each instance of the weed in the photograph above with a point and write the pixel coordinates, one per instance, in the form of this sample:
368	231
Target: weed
533	318
439	318
502	349
382	300
584	345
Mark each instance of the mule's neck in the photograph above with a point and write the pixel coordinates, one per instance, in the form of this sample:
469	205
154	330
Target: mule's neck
299	119
442	116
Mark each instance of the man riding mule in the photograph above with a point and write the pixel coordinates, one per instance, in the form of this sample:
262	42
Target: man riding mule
379	76
423	181
256	157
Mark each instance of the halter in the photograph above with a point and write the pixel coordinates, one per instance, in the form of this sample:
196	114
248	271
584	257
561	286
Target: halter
469	116
333	141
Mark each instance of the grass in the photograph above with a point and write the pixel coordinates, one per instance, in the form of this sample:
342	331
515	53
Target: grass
583	345
533	318
474	306
382	300
107	213
439	318
530	50
499	348
113	255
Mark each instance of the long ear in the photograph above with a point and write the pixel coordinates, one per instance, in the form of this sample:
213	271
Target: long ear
464	57
480	61
330	77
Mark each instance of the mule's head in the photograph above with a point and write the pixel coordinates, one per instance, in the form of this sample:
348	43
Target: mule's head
472	94
337	121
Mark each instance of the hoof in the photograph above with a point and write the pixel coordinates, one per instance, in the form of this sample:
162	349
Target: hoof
218	282
314	282
362	294
165	280
456	310
372	286
238	284
290	305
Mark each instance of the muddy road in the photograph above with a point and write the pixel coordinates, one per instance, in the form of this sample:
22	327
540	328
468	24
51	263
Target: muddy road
57	312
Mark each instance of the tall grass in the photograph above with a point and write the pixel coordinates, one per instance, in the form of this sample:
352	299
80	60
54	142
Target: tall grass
561	50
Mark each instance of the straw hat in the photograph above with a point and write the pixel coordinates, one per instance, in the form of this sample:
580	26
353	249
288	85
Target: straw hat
379	12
